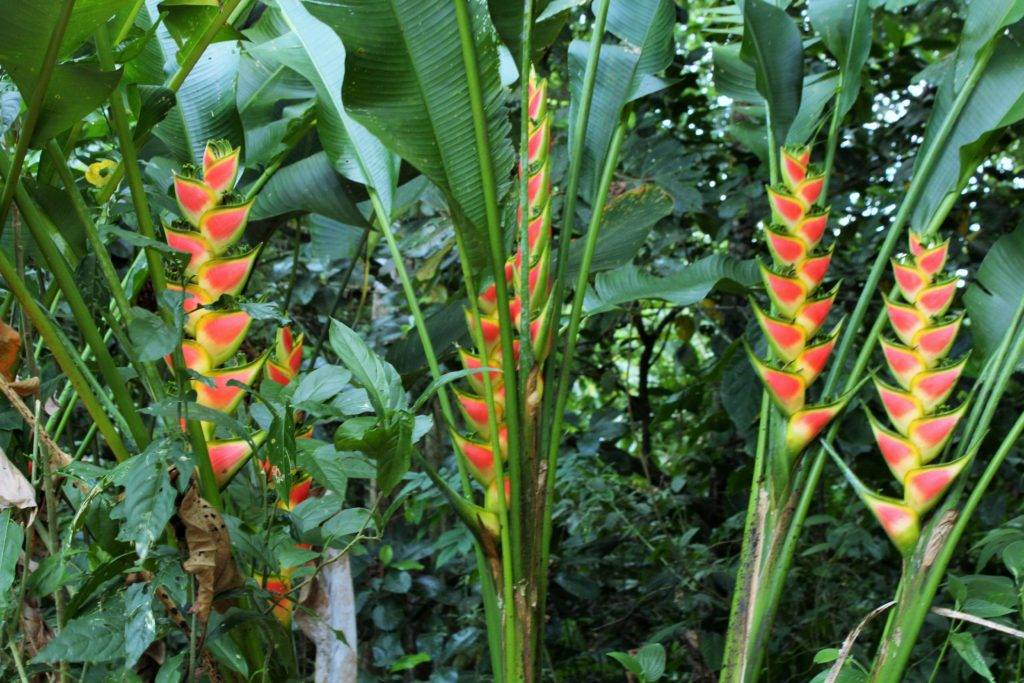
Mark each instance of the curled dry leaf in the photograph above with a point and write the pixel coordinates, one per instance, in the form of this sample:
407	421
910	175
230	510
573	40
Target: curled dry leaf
10	344
209	551
15	489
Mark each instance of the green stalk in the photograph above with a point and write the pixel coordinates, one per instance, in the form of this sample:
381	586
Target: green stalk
342	286
48	331
497	262
185	65
130	164
35	108
569	352
42	229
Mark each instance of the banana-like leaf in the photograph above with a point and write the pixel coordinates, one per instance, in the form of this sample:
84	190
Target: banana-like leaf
310	185
406	82
75	89
996	293
845	28
685	287
772	46
315	51
996	102
549	18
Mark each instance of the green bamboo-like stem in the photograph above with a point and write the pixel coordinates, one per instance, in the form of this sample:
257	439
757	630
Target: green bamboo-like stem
186	63
48	331
342	286
572	332
42	230
495	238
35	108
130	164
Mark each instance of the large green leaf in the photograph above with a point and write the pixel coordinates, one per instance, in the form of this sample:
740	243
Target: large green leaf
683	288
148	495
818	90
996	292
406	82
315	51
983	21
12	536
772	46
549	17
309	185
995	103
624	73
96	637
373	373
206	99
845	28
75	89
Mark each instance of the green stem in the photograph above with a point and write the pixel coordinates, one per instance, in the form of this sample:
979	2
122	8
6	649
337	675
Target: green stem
42	230
342	286
50	336
569	352
35	108
130	164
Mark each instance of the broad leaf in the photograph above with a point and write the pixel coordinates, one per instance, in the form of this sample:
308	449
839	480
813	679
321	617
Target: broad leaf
75	89
772	46
309	185
406	82
965	646
140	623
11	538
845	28
315	51
996	293
549	17
688	286
94	638
148	495
996	102
373	373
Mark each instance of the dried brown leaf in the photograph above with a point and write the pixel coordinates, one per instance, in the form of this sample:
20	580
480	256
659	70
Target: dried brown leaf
209	551
15	489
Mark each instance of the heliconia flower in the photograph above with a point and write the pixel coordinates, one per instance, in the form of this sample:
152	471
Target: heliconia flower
222	332
926	381
787	339
222	396
282	606
794	165
277	373
228	456
220	167
226	275
476	380
787	389
288	349
811	361
223	226
298	493
191	243
193	355
479	458
806	424
194	198
194	300
474	410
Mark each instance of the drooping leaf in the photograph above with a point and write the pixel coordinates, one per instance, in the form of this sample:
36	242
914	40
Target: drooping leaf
772	46
818	91
94	638
845	28
628	220
140	623
685	287
308	185
549	17
996	292
406	82
148	495
965	646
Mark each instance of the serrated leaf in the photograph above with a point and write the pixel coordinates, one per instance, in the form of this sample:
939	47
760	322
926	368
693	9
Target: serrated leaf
148	495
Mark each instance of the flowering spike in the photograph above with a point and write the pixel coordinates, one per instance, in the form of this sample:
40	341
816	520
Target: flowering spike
901	523
902	407
904	362
794	166
479	457
222	396
930	260
282	605
909	279
786	339
787	210
228	456
194	300
812	315
933	387
810	189
226	276
811	361
935	300
812	228
222	332
788	294
788	389
785	249
191	243
474	410
925	485
224	225
194	198
806	424
933	343
900	454
812	270
906	320
298	493
931	434
278	373
220	170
